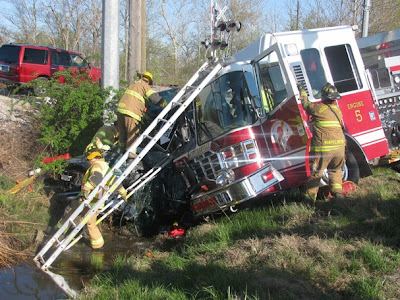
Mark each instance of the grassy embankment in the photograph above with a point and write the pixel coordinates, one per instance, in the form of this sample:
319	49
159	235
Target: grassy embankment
284	250
22	217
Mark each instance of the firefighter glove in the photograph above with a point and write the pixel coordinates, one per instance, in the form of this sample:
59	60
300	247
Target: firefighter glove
303	95
85	195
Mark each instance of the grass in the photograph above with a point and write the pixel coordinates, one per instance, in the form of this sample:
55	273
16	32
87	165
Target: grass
282	250
279	249
22	216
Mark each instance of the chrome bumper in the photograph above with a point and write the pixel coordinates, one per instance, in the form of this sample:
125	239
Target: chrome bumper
239	191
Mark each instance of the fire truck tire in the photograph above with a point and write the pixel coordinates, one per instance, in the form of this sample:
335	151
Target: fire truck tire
353	171
233	209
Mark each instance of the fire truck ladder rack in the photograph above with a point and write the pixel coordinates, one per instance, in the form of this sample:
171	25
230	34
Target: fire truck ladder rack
183	99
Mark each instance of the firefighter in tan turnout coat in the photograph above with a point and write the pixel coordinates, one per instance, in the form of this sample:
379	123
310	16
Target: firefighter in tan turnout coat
132	107
328	142
98	168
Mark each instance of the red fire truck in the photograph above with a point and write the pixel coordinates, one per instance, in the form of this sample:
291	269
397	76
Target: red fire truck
251	134
381	55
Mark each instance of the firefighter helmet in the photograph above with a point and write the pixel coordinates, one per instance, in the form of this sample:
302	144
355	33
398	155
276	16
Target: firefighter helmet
330	92
148	76
92	152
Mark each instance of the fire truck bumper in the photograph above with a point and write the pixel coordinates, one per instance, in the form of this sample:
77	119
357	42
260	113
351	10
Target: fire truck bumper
236	192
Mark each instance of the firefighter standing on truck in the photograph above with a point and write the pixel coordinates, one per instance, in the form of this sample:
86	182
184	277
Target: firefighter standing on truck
328	141
132	107
98	168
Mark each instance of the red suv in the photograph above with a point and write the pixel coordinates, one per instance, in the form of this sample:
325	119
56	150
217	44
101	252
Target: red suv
21	63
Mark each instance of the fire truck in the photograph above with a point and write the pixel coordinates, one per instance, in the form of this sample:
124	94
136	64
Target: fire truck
238	131
381	55
250	134
247	135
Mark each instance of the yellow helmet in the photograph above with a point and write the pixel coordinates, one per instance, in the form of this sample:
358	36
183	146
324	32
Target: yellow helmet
148	76
92	152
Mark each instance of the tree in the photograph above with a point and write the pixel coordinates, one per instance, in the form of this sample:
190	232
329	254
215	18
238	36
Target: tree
384	16
25	19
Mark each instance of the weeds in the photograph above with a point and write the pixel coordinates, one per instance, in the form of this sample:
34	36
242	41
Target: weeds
289	251
22	215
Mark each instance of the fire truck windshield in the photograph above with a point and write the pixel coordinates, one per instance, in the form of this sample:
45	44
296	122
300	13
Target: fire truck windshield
222	106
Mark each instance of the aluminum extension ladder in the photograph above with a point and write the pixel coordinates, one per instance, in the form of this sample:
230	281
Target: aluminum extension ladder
58	243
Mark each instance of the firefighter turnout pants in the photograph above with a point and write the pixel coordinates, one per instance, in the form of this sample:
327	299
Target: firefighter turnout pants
333	161
129	130
96	238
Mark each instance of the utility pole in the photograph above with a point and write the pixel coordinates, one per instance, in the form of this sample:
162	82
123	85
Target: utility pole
365	23
110	52
341	13
355	13
143	66
298	15
137	38
133	48
110	41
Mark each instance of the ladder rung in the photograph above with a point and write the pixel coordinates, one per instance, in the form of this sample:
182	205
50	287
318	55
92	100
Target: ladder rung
163	120
72	223
147	137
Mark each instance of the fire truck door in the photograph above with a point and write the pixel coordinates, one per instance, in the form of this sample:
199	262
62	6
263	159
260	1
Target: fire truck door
285	137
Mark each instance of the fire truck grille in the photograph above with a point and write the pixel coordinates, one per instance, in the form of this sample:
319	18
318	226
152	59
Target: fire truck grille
206	165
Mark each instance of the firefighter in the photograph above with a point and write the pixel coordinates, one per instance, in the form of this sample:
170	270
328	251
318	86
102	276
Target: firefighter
131	109
105	138
98	168
328	142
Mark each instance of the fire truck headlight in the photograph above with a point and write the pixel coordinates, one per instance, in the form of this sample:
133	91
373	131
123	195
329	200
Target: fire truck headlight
225	177
397	79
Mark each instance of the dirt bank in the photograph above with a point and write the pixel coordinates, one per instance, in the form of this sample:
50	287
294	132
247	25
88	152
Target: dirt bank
18	134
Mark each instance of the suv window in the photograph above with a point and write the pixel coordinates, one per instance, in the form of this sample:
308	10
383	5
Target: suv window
60	58
35	56
78	61
9	54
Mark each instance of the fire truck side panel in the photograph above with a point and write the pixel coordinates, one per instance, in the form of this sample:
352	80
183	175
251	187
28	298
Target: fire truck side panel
362	122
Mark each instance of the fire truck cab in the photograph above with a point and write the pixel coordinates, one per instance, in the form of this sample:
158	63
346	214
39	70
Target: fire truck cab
251	133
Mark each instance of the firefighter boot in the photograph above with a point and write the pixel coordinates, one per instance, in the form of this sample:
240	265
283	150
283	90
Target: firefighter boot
338	196
96	238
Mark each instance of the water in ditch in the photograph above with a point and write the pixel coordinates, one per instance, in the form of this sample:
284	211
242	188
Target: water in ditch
77	265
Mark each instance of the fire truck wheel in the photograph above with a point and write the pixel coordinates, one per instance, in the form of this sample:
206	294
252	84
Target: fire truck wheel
233	208
351	171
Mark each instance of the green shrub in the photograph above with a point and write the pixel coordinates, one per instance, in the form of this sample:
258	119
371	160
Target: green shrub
70	113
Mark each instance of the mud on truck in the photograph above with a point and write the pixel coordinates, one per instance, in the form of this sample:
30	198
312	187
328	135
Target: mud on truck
246	134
